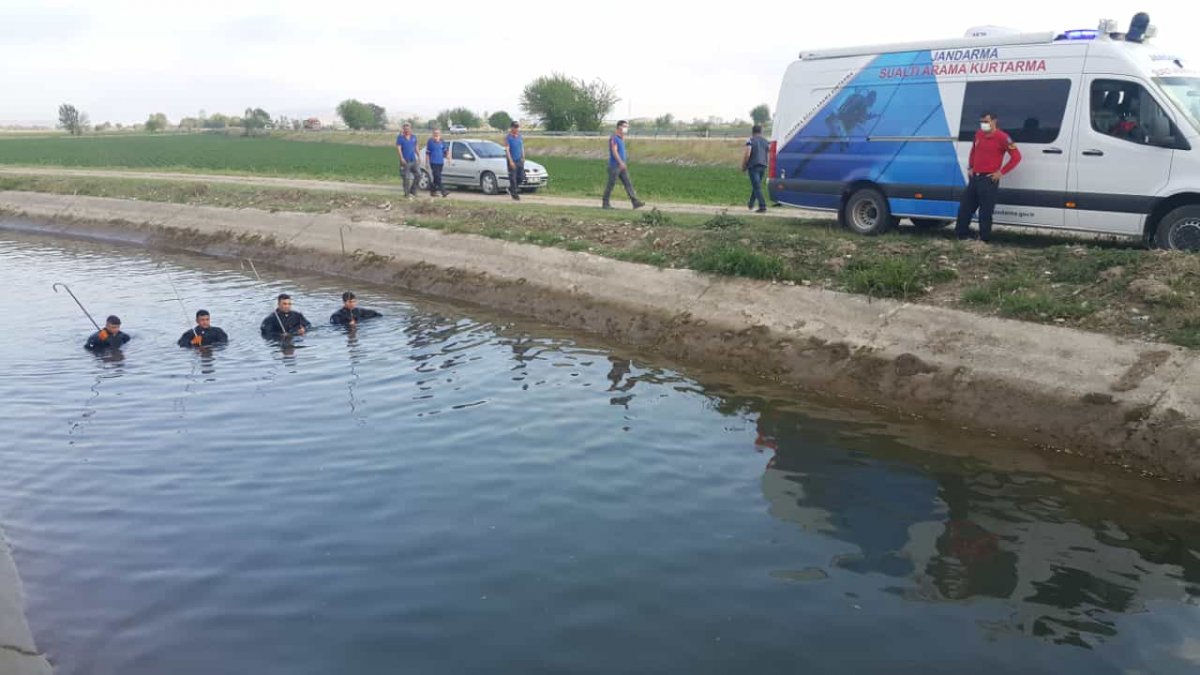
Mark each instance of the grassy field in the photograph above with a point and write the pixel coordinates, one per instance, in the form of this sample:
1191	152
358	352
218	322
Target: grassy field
1108	288
720	152
270	156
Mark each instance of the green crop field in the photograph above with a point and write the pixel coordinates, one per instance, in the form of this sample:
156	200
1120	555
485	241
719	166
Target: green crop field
265	156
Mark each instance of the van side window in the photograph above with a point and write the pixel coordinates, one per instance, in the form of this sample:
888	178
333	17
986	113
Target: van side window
1031	111
1125	110
459	150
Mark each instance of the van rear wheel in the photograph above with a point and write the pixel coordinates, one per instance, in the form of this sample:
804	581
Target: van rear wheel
867	212
1179	230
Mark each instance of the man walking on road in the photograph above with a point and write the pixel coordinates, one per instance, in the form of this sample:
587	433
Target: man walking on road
435	154
515	151
754	162
410	167
985	168
617	168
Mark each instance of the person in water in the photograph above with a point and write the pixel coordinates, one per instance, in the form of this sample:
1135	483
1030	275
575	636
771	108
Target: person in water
350	313
109	337
204	334
283	321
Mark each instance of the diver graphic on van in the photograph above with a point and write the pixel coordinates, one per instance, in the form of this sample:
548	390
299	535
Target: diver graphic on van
854	112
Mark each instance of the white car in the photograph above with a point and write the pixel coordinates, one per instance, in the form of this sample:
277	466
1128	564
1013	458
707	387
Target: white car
457	129
474	163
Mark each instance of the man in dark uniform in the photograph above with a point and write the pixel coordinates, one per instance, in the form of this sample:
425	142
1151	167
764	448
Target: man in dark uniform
109	337
985	168
204	334
350	314
283	321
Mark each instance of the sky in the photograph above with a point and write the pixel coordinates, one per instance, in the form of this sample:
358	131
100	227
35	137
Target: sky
119	61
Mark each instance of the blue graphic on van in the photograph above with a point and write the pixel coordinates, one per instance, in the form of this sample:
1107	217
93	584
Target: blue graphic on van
861	134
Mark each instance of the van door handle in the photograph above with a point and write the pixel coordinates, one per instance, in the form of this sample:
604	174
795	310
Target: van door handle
1052	151
1093	153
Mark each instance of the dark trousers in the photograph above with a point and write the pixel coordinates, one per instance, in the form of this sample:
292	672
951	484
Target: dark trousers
435	183
516	176
411	175
615	172
756	180
980	195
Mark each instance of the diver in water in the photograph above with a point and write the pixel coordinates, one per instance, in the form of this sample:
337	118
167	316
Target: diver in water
283	321
204	334
350	313
109	337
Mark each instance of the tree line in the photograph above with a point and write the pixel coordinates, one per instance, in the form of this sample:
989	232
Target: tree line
557	102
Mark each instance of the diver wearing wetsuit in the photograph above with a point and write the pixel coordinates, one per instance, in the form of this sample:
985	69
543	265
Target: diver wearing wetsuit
109	337
350	314
283	321
204	334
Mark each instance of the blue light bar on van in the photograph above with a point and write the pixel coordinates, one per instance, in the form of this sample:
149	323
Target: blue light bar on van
1083	34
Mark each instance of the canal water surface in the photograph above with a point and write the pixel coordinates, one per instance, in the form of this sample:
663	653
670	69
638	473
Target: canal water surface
450	491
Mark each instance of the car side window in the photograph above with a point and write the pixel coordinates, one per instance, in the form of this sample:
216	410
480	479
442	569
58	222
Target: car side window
1125	110
460	151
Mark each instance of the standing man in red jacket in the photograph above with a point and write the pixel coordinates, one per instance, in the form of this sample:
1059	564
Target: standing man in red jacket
985	168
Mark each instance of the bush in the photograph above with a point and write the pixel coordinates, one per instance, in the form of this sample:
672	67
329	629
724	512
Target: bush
903	277
500	121
723	221
656	218
737	261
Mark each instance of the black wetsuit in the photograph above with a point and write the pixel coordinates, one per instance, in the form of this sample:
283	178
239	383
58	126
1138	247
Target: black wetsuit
95	344
342	316
277	323
208	336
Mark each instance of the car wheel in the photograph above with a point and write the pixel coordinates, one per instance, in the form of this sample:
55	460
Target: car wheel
489	184
867	212
425	181
930	223
1179	230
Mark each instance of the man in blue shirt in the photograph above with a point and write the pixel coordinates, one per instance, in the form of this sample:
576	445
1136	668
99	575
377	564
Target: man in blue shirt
435	154
515	151
617	167
754	162
410	168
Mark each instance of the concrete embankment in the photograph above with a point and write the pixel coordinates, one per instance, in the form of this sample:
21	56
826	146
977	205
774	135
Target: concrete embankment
18	654
1130	403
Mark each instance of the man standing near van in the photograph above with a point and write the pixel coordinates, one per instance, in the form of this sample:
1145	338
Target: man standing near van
514	150
754	162
410	166
985	168
617	167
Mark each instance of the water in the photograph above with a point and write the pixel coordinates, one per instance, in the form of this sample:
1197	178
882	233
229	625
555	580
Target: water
448	491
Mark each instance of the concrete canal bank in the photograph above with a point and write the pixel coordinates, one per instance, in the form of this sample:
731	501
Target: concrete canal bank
18	653
1124	402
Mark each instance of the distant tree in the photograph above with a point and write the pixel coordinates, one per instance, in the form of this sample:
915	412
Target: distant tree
297	125
189	124
104	126
433	123
215	121
665	122
500	120
462	116
236	121
156	123
71	119
563	103
761	114
596	100
356	114
254	119
378	116
283	122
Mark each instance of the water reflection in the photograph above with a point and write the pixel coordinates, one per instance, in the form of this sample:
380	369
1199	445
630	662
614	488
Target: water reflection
961	533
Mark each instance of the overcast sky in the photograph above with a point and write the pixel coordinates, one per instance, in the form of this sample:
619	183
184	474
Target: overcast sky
120	61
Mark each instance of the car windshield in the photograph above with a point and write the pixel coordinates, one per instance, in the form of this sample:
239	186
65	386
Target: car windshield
487	150
1184	93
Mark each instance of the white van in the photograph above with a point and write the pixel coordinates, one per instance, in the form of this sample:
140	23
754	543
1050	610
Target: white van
1108	126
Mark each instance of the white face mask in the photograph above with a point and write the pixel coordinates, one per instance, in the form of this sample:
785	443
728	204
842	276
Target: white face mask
624	130
985	126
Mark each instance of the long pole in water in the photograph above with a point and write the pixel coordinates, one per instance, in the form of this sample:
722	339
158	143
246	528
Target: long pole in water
85	312
183	308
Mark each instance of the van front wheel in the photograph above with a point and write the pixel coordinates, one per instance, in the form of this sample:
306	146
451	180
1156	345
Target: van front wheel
867	212
1179	230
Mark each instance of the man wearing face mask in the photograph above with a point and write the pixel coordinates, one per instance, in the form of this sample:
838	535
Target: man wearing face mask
985	168
617	167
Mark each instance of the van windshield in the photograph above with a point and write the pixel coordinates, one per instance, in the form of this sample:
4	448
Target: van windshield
1184	93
